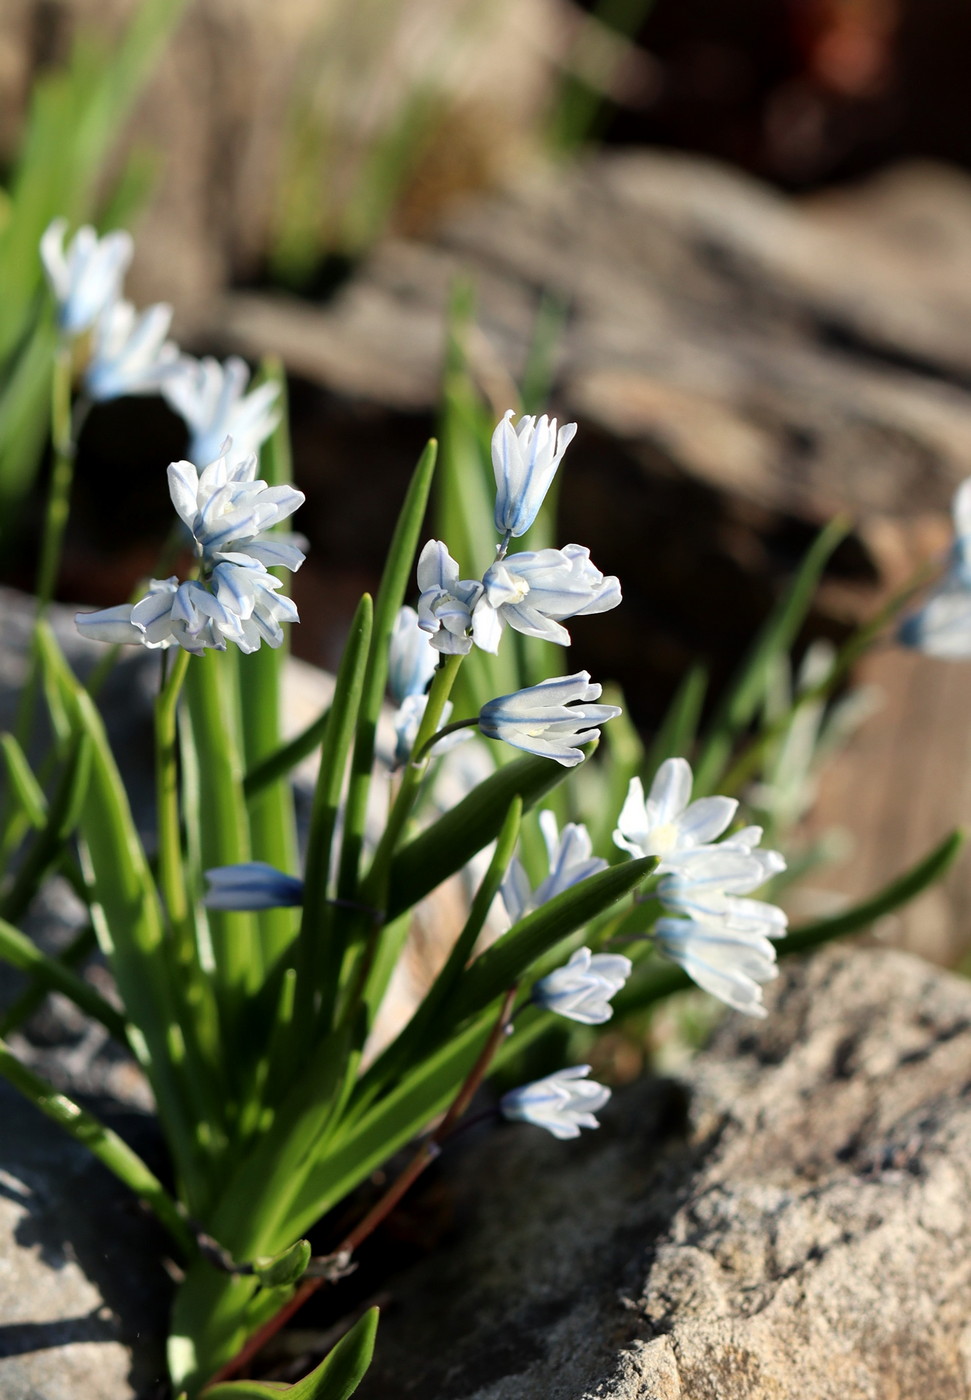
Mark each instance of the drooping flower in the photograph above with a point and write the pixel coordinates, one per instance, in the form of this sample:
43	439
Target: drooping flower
129	352
545	719
238	603
710	884
227	510
571	860
252	885
668	822
86	277
562	1103
446	601
942	627
582	989
525	459
211	397
534	591
729	965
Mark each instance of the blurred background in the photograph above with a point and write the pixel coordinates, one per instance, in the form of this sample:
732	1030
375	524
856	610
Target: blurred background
730	238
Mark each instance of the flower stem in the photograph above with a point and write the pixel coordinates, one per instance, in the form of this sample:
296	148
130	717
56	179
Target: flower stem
171	872
62	473
374	889
455	725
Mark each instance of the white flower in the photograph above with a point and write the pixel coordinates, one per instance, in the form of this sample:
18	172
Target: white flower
545	720
411	658
709	884
525	459
129	352
227	509
562	1103
665	823
731	966
535	590
581	990
252	885
238	604
570	861
87	277
446	601
211	398
942	627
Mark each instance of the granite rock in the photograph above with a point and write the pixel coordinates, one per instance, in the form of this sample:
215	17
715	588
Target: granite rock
803	1231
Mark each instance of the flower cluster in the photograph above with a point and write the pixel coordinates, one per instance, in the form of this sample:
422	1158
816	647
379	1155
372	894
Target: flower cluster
719	935
236	599
226	509
534	591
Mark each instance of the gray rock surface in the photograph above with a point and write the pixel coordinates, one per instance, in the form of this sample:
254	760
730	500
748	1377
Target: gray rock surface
808	1237
83	1294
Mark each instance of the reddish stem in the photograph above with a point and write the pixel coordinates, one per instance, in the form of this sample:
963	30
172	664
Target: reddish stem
382	1208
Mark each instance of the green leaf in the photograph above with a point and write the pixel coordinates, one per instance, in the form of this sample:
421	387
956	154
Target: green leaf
283	1269
676	735
284	759
777	635
336	1378
104	1144
391	595
319	947
449	843
511	957
48	846
54	976
20	775
405	1050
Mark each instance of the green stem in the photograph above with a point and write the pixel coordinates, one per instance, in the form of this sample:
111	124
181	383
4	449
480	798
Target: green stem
374	890
171	869
452	728
62	473
106	1145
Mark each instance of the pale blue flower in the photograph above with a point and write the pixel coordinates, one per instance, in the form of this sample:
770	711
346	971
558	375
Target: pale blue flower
129	352
445	603
668	822
729	965
581	990
411	658
252	885
525	459
87	277
709	884
238	604
211	398
942	627
535	590
562	1103
227	510
571	860
546	719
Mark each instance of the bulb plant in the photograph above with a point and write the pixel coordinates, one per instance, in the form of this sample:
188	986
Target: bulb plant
250	973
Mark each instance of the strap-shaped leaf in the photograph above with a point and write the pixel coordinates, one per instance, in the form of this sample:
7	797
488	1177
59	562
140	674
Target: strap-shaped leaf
336	1378
106	1145
449	843
320	949
390	597
47	847
776	635
512	956
54	976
